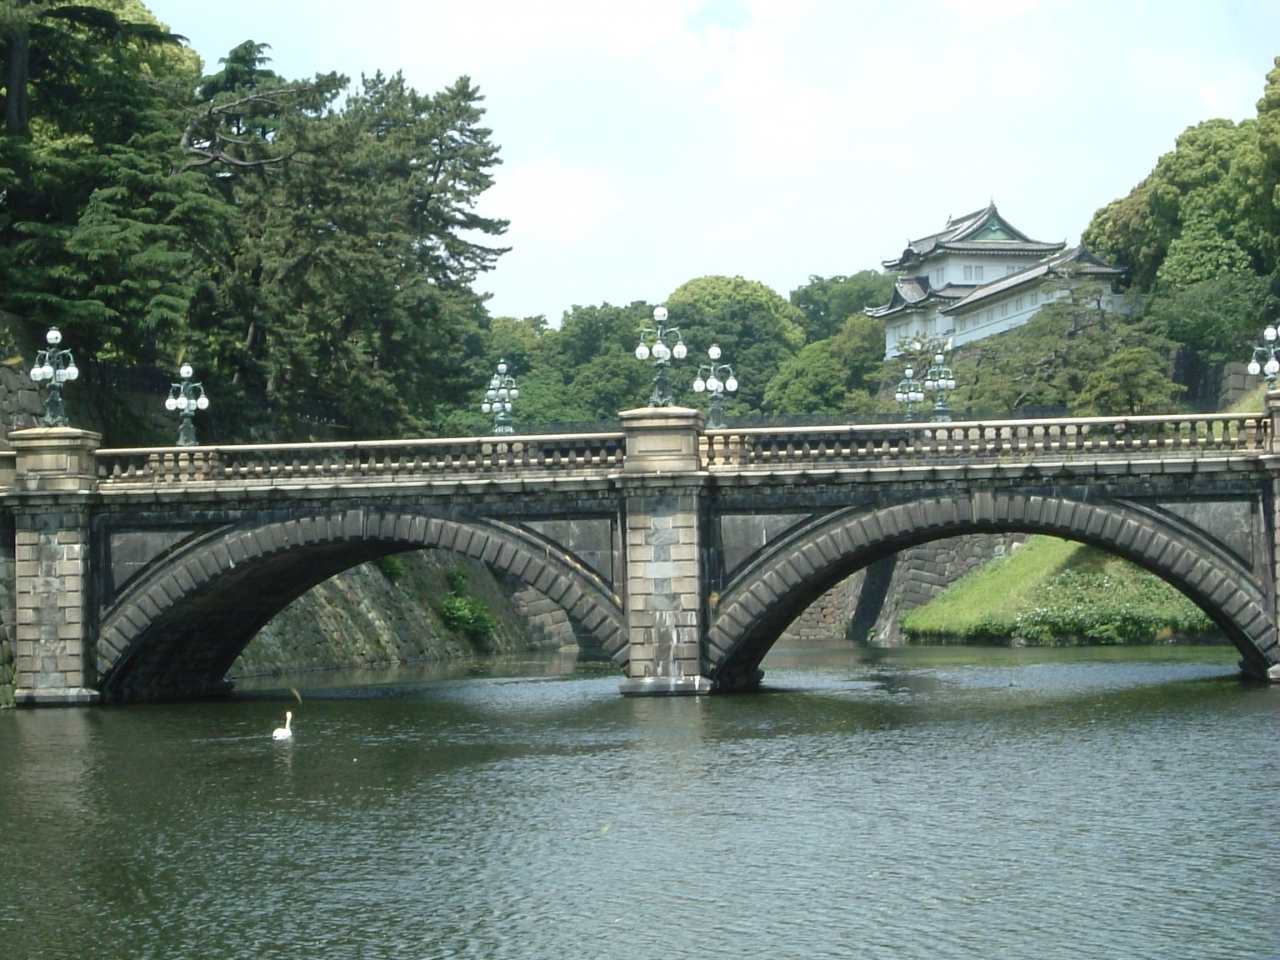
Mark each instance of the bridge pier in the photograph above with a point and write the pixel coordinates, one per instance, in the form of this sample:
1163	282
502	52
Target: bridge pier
55	478
662	482
1273	409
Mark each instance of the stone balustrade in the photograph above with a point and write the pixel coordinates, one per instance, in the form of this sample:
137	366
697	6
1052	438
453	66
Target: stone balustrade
1175	436
376	460
1095	437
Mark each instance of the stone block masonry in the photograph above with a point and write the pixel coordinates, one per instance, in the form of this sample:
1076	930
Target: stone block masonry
664	597
919	574
51	566
8	614
924	572
664	613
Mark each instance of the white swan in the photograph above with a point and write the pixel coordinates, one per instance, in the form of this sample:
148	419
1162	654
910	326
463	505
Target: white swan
284	733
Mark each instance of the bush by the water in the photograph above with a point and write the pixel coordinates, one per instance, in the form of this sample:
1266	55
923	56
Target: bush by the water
1057	592
466	614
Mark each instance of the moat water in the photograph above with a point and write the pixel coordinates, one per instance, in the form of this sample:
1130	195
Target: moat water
923	803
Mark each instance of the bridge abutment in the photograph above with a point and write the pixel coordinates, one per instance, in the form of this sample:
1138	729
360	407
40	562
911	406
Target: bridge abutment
55	479
663	483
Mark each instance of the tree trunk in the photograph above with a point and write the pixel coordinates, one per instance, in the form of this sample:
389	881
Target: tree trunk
16	121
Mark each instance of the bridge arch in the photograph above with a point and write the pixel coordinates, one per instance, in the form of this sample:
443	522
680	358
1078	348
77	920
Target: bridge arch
763	599
177	628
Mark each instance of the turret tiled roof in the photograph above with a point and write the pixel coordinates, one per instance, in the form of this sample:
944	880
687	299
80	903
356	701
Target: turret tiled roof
983	231
916	292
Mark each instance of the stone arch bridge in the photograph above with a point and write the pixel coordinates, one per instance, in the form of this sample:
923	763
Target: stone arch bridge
141	574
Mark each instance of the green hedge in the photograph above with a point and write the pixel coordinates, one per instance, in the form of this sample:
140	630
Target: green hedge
1056	592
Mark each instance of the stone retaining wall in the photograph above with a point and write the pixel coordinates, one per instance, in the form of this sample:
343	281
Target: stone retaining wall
919	575
549	626
923	572
359	618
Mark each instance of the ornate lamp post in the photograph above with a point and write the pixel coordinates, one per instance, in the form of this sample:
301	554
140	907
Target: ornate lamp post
186	397
1264	358
54	366
497	399
909	392
663	343
718	378
939	380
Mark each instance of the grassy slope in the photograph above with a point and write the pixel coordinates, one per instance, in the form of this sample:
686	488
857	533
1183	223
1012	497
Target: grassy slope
1055	591
1252	402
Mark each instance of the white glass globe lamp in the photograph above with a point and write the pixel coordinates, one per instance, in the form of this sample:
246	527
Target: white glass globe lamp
1253	368
185	371
642	352
699	385
54	337
660	314
1269	333
679	351
714	352
202	402
731	384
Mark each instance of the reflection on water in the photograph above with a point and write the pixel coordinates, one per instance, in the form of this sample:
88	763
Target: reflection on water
920	803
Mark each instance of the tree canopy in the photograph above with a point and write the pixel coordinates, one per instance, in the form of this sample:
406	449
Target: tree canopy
1202	227
308	245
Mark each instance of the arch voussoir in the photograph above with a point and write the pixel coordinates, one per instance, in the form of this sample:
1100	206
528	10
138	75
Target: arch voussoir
174	624
758	602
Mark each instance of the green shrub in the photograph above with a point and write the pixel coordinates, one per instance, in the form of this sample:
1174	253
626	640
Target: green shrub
469	615
457	578
1054	591
392	568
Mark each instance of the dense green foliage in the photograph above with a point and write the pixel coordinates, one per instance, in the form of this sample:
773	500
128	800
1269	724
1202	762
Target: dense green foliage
464	613
1073	353
1201	234
1054	591
304	243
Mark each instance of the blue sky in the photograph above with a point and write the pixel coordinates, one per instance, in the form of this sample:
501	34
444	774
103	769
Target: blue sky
647	143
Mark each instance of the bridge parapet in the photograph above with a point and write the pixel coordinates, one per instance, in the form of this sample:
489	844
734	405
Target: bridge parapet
1180	436
375	460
